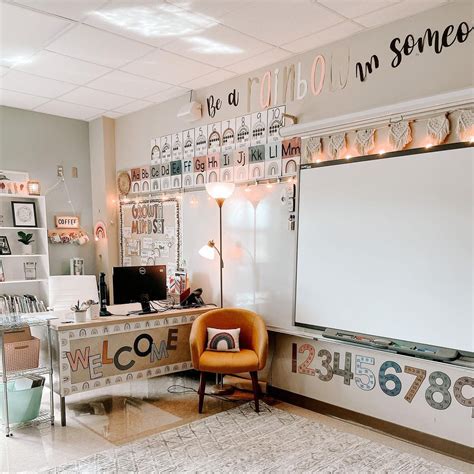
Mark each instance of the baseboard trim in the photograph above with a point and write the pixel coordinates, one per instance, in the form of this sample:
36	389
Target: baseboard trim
440	445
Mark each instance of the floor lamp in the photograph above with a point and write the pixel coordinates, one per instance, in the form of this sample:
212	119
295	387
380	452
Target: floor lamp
220	192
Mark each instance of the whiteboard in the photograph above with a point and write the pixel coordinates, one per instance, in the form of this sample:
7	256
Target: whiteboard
259	250
385	248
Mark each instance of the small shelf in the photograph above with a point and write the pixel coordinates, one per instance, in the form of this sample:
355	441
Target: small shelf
22	281
23	255
18	374
20	228
43	417
19	196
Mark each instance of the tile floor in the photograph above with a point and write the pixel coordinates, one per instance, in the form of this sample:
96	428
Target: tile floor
116	415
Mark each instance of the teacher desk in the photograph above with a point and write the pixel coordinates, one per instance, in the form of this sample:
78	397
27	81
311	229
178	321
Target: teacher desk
118	348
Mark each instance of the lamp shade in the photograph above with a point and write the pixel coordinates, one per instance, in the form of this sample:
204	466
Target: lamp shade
220	190
207	252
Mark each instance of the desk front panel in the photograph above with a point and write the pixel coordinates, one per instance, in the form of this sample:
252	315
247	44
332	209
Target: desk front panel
97	356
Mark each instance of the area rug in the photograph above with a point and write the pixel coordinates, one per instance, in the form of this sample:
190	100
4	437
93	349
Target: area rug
240	440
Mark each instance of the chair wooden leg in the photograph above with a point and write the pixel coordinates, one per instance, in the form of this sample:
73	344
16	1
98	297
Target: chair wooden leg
256	389
202	390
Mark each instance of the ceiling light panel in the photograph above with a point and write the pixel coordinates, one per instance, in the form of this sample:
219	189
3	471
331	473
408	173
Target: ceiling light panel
99	47
73	9
24	32
154	23
63	68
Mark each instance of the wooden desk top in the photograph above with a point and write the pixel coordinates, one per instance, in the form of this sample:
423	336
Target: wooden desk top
61	323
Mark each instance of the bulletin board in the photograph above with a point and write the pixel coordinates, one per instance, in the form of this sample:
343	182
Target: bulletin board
150	233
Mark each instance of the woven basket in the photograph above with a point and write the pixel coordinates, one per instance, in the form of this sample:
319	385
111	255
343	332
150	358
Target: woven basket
22	355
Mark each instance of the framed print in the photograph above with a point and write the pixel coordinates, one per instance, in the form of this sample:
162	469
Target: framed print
4	246
24	214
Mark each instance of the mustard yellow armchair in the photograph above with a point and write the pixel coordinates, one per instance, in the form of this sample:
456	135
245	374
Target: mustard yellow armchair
253	347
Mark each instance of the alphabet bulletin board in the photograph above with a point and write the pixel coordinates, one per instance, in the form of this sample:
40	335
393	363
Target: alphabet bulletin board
150	233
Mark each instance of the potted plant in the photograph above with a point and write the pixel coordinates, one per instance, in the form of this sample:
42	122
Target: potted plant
26	240
80	311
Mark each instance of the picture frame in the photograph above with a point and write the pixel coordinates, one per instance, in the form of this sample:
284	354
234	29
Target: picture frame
4	246
24	214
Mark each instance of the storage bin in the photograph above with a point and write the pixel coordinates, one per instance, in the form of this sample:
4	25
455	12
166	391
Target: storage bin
23	405
22	355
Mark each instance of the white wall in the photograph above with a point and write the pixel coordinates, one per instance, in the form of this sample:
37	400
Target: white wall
419	75
37	143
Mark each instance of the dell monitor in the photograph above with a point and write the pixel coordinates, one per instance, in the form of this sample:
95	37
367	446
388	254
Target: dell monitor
140	285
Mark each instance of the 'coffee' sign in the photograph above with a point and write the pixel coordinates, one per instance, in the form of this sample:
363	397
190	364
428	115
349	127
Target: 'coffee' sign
67	222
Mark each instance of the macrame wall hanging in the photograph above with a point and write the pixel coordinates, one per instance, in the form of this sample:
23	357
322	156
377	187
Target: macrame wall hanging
438	128
313	149
399	134
336	145
365	140
465	124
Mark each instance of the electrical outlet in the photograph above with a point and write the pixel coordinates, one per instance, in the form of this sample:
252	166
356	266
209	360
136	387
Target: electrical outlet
60	171
74	172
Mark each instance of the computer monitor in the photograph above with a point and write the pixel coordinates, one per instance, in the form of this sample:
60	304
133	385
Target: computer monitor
140	285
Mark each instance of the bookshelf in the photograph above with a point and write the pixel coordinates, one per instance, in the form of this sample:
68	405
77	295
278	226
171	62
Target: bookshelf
13	264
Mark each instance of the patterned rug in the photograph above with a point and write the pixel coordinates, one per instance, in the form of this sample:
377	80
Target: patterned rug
240	440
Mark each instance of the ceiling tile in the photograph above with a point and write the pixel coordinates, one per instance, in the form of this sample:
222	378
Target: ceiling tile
281	21
261	60
21	82
19	100
168	94
73	9
63	68
209	79
353	8
100	47
395	12
218	46
3	70
133	107
152	22
123	83
111	114
210	7
168	67
64	109
23	32
335	33
93	98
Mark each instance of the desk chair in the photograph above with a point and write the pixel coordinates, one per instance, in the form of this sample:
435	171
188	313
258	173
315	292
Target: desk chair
253	347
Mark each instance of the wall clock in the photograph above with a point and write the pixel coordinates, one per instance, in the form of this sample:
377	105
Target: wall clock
124	183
